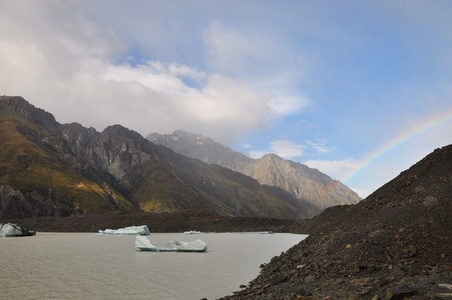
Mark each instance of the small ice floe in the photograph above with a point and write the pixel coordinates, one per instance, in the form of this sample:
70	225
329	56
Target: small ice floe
192	232
144	244
10	230
131	230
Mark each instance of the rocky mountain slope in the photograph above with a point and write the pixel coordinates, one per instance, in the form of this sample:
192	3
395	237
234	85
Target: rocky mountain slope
298	179
52	169
35	174
395	244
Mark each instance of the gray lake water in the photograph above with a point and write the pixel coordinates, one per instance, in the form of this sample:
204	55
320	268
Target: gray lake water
88	266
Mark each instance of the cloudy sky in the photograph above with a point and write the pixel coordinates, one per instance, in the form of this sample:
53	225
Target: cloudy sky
361	90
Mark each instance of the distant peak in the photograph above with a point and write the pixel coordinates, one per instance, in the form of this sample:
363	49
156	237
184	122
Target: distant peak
271	156
182	131
21	107
185	133
120	130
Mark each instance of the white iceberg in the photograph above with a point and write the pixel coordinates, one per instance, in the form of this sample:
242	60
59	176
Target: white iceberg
9	230
131	230
192	232
144	244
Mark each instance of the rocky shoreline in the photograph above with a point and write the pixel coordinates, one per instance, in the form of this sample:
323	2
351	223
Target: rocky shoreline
395	244
395	262
201	220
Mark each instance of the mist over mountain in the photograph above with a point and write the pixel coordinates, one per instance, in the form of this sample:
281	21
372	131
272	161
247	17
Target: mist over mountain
53	169
299	180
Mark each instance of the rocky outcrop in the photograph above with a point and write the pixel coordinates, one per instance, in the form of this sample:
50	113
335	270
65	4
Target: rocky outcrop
23	109
16	205
13	204
309	185
116	150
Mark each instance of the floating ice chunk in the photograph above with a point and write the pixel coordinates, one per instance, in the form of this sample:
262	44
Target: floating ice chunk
195	246
144	244
9	230
192	232
131	230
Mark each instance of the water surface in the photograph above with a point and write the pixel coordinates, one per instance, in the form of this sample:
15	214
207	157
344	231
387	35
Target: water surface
88	266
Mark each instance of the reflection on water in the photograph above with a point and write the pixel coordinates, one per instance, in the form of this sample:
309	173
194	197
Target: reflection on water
88	266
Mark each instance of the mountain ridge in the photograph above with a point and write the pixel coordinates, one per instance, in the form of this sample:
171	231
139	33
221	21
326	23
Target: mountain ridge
305	183
66	169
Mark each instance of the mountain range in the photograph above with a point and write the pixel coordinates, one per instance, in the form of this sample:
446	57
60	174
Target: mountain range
53	169
299	180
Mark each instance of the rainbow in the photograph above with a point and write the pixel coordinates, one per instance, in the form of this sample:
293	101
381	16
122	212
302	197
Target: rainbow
396	141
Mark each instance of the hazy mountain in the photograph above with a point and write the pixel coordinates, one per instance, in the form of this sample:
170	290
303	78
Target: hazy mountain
298	179
47	168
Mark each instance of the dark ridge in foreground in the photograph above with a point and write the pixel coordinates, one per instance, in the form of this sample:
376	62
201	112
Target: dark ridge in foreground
202	220
396	244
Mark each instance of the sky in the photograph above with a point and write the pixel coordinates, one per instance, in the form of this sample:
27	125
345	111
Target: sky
360	90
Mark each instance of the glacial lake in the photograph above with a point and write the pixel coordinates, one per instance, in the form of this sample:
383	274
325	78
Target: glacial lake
89	266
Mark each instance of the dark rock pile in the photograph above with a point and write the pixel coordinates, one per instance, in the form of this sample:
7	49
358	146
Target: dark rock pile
396	244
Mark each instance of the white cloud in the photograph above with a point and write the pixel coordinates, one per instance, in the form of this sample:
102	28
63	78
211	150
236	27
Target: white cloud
63	62
232	50
286	149
186	71
289	150
284	105
260	62
256	153
340	170
320	145
153	97
336	169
